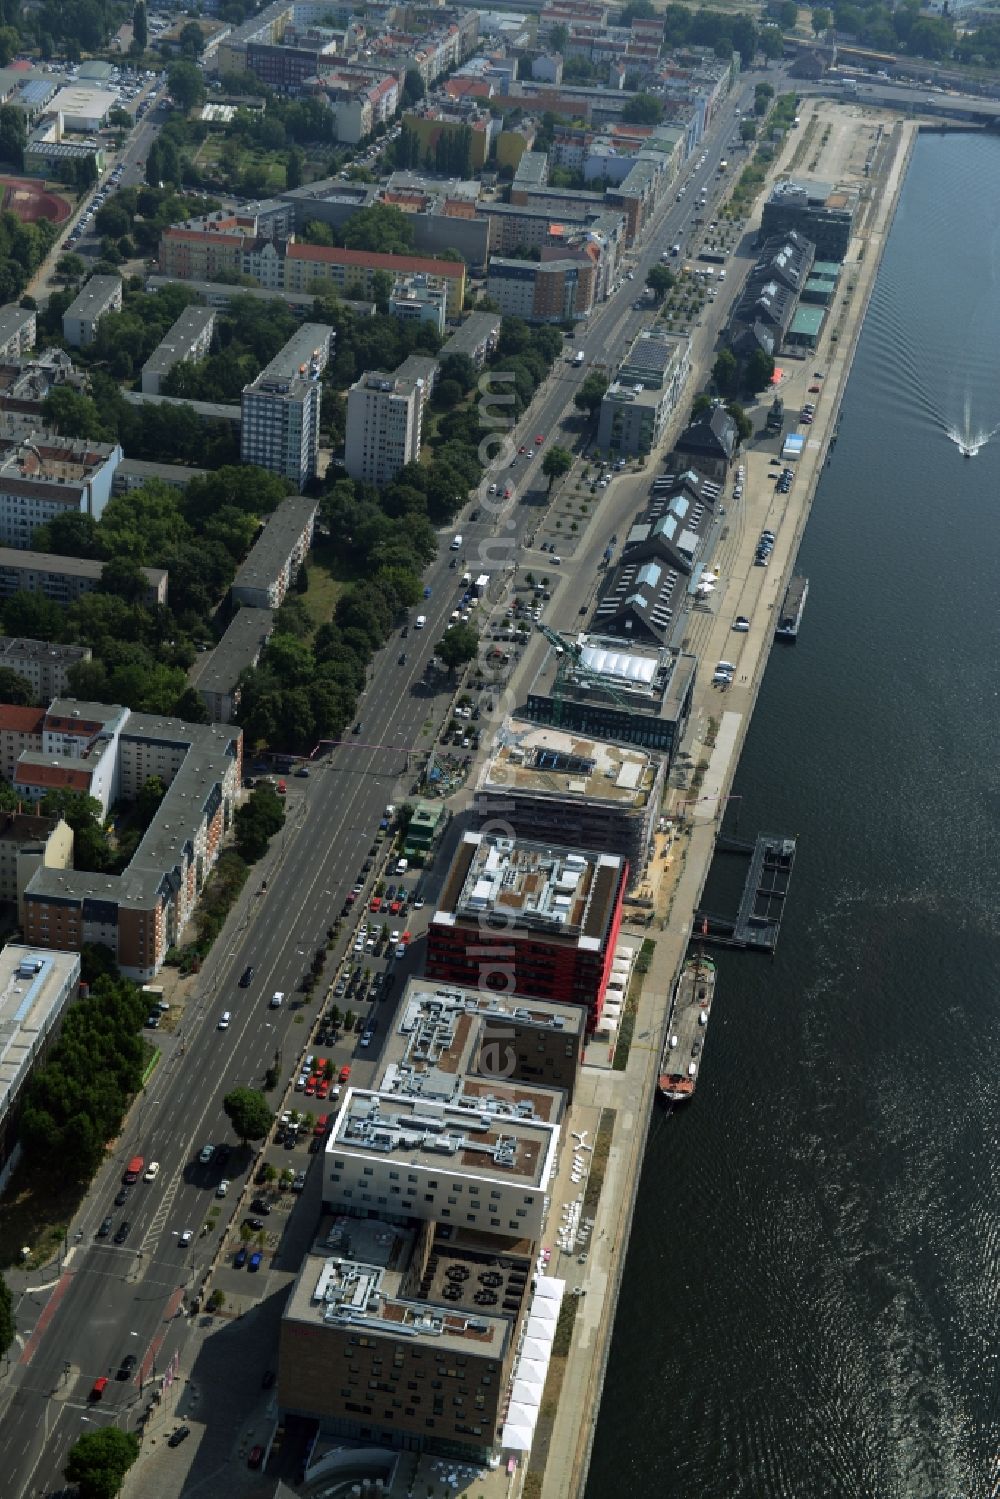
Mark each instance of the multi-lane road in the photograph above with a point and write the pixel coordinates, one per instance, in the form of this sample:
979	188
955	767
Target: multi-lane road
113	1300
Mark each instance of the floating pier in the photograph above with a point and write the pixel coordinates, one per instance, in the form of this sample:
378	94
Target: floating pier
758	920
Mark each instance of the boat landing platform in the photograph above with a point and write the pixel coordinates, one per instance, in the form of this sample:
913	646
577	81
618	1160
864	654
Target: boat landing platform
757	922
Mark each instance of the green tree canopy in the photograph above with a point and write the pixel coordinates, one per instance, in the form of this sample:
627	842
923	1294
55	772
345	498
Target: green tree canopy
643	110
591	393
457	646
257	821
744	426
660	279
758	371
413	87
98	1461
14	688
186	85
382	228
725	371
248	1112
557	461
140	28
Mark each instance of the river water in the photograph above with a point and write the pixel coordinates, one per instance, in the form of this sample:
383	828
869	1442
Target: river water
810	1301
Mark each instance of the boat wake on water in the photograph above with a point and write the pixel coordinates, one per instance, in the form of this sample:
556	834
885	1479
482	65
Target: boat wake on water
965	438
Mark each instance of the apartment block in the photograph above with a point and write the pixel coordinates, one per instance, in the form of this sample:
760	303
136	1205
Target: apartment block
18	326
64	579
239	649
189	338
110	753
280	410
450	1041
373	1351
353	271
614	689
358	98
644	394
414	300
27	843
279	551
133	473
44	665
485	1168
35	989
575	791
518	917
478	337
20	731
44	476
384	419
100	295
550	291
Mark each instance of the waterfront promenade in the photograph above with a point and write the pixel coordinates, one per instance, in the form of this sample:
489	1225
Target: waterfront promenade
719	726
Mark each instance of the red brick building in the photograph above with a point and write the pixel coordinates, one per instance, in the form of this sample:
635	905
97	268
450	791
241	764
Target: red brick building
519	918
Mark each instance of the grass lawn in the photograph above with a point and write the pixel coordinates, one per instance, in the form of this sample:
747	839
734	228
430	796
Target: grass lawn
212	149
328	577
36	1211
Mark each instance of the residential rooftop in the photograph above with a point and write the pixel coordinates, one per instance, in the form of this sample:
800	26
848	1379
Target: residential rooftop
357	1275
214	411
48	459
275	543
435	1048
306	354
531	888
70	567
479	1139
176	345
33	991
530	757
208	752
238	649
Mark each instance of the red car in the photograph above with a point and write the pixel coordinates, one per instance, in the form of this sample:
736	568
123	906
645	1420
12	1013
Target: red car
319	1128
395	907
522	449
539	440
310	1088
256	1457
814	390
319	1066
345	1073
323	1089
376	905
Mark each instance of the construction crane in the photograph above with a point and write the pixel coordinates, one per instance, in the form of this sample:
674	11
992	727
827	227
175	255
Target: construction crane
569	663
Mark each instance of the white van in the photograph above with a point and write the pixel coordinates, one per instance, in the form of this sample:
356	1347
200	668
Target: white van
277	999
722	275
420	621
456	542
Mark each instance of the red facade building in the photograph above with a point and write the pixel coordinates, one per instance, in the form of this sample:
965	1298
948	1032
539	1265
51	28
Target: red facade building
521	918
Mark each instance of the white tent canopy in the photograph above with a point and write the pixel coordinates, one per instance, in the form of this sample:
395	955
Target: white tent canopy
547	1288
516	1437
541	1330
527	1392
